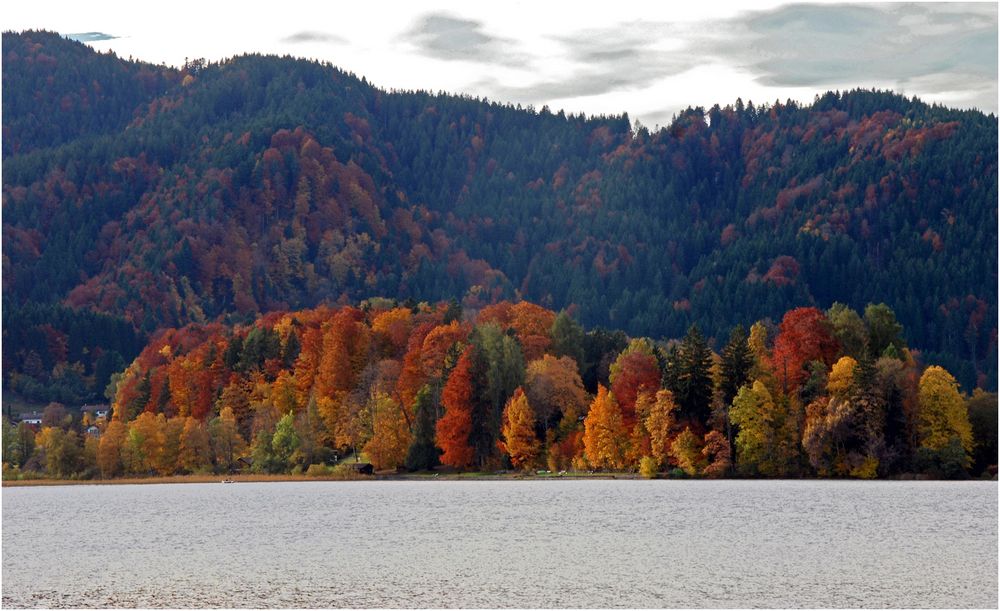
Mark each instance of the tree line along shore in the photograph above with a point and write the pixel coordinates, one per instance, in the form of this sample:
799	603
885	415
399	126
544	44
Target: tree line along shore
518	388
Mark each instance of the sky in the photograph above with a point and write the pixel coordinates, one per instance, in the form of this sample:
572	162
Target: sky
649	59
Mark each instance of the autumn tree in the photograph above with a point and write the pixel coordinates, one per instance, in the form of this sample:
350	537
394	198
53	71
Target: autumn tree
832	438
767	437
660	424
717	455
55	415
311	432
345	350
686	451
145	443
455	426
227	443
436	345
804	336
195	450
635	371
391	330
391	435
554	389
841	376
237	401
60	450
533	326
605	436
518	432
412	376
109	452
943	422
307	363
168	460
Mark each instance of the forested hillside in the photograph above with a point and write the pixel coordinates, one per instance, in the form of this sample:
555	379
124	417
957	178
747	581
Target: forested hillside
217	192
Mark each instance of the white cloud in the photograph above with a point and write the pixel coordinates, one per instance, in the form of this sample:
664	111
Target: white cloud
647	59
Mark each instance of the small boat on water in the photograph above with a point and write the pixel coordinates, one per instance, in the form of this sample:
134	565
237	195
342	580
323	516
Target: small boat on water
228	481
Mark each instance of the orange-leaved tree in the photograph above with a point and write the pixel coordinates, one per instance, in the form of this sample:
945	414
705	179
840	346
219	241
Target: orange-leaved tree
533	325
412	377
660	424
437	344
605	436
805	335
633	372
518	430
717	454
455	425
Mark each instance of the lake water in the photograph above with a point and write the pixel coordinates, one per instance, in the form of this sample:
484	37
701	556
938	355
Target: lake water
503	544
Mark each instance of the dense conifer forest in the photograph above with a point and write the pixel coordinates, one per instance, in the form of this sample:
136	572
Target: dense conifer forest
138	198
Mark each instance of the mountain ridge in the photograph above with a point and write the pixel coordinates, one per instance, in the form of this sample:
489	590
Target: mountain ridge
263	183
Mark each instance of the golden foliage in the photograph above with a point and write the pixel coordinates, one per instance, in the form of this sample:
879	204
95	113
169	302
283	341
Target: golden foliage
841	376
604	435
942	413
518	430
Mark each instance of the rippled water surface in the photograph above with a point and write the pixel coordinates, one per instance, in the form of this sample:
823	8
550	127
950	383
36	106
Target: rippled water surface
503	544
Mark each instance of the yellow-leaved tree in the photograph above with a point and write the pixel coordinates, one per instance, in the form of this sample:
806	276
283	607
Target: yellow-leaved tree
195	451
753	411
227	443
943	420
391	433
841	376
686	450
145	443
518	430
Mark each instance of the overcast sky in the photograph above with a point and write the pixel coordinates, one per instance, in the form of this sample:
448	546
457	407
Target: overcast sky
650	59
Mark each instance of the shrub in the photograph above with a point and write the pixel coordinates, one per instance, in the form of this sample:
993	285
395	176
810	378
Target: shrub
648	467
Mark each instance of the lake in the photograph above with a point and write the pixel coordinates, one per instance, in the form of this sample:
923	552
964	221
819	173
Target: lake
527	544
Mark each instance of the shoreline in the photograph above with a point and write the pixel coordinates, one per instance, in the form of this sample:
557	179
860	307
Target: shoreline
429	477
259	478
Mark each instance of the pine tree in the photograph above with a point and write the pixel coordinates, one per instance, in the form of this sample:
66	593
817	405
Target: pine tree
693	391
423	454
736	363
567	338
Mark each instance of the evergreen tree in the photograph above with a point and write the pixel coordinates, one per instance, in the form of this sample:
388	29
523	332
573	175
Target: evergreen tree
423	454
736	363
693	383
291	350
568	338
